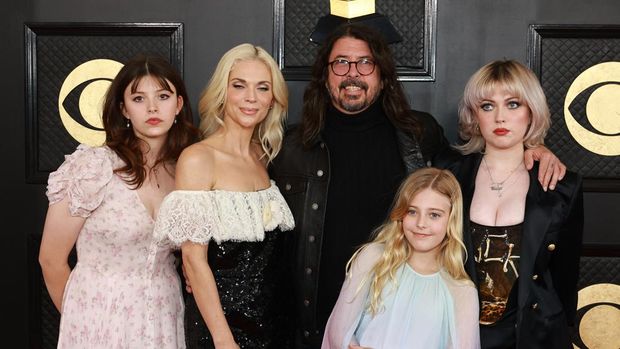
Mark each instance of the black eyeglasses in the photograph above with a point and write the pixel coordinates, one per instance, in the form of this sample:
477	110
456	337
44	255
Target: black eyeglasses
341	66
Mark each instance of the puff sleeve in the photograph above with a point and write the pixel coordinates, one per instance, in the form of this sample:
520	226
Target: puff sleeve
82	178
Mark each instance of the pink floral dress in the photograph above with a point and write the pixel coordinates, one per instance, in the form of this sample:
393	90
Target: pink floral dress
124	291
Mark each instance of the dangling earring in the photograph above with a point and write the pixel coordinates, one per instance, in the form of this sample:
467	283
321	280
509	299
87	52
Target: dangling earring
128	125
175	121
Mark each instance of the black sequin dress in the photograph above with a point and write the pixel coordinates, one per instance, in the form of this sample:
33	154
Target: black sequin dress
250	281
247	255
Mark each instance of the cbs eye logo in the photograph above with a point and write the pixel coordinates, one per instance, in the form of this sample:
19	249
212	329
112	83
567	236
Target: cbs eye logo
602	109
87	85
598	315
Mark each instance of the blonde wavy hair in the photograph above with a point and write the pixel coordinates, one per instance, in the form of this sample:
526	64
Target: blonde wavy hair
396	248
512	78
269	133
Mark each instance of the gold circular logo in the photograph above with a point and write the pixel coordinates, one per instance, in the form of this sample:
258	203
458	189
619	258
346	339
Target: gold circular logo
97	74
602	109
598	314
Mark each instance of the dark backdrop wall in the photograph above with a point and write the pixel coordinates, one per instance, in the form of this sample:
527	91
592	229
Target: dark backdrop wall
469	34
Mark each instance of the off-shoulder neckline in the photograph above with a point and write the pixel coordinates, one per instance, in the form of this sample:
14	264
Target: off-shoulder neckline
271	186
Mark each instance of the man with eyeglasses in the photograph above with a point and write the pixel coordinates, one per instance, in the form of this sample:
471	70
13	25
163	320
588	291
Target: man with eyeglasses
340	168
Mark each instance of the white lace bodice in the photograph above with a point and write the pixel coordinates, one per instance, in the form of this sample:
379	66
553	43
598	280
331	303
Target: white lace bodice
221	215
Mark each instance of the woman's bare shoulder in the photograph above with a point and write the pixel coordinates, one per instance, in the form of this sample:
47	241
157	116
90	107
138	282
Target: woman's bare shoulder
195	167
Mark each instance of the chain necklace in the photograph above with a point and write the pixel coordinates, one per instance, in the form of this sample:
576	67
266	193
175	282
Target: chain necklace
155	171
498	186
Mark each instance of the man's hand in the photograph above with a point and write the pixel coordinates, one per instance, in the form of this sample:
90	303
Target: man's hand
551	169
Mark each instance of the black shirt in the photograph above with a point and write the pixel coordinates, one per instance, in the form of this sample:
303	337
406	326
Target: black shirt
366	170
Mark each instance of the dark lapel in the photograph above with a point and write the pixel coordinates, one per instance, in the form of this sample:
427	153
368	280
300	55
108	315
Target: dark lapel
467	176
535	223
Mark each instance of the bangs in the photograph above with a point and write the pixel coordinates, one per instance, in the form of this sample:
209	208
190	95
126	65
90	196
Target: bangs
498	79
489	88
161	81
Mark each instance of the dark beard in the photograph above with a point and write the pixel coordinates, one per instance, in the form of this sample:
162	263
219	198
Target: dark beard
352	106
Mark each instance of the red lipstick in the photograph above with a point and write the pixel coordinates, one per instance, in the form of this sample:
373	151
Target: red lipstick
500	131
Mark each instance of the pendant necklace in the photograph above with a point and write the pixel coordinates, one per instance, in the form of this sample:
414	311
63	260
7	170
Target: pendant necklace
498	186
155	171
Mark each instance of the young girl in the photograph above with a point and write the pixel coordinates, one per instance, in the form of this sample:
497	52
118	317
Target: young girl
124	291
408	288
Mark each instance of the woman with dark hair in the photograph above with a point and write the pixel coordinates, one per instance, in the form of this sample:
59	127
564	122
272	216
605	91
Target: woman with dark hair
124	291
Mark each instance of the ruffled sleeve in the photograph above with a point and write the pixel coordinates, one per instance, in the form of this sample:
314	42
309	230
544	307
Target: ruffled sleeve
220	215
186	215
82	178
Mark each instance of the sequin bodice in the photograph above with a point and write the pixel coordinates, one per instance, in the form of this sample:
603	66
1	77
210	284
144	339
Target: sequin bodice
246	255
251	285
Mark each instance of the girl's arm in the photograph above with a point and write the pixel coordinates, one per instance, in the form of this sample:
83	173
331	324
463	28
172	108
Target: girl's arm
205	293
60	233
350	304
466	317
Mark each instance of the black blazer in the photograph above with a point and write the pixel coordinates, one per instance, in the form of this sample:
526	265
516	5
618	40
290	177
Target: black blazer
550	250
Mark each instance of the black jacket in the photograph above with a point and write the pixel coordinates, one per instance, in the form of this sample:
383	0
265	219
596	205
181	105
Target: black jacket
550	250
302	176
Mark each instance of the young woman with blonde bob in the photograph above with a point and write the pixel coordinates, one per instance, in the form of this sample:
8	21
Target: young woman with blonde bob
225	210
408	288
524	241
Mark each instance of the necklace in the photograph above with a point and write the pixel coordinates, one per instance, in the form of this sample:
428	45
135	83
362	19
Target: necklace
498	186
155	172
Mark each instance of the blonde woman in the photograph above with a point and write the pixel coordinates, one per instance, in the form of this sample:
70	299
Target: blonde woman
408	288
524	241
225	209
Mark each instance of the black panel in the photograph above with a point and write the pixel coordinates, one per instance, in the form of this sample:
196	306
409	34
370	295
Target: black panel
558	55
53	51
413	19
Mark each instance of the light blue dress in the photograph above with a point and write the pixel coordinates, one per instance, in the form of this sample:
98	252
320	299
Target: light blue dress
418	311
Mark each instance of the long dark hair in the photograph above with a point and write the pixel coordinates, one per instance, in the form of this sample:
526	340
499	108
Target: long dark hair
317	98
122	139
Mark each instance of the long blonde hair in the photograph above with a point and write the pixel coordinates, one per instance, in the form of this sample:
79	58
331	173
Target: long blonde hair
212	103
397	250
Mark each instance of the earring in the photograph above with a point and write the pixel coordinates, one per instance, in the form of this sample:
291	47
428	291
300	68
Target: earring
175	121
128	125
